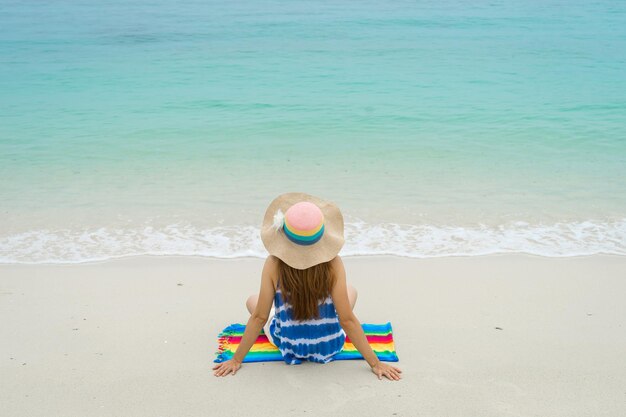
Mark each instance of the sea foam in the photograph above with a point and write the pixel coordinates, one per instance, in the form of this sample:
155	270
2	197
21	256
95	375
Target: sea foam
416	241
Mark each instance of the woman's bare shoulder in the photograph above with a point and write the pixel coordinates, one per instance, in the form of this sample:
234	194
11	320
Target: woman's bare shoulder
271	262
336	261
339	272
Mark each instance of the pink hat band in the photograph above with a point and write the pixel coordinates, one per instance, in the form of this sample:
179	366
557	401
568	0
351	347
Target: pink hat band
304	223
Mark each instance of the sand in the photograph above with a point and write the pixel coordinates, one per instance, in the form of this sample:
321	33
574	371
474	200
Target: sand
498	335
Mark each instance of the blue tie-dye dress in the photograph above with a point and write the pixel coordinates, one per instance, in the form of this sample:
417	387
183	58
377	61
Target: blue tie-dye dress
316	340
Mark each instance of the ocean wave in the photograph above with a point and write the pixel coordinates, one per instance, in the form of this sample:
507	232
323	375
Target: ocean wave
416	241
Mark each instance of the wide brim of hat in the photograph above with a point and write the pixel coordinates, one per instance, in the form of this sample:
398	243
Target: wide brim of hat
303	256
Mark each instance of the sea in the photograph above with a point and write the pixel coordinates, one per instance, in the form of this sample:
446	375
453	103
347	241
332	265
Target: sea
439	128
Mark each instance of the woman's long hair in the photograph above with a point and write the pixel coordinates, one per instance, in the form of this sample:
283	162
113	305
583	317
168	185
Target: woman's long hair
305	288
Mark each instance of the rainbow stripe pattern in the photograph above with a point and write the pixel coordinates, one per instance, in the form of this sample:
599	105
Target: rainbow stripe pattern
303	237
379	336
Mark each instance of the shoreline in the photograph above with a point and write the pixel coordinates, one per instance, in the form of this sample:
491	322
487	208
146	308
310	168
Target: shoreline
360	256
420	241
485	335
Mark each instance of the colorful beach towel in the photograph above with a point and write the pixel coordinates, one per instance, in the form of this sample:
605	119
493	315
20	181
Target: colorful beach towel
379	336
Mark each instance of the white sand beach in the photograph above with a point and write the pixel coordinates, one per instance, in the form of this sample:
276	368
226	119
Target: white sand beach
497	335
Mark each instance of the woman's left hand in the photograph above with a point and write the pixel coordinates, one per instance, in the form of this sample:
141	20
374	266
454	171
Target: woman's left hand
225	368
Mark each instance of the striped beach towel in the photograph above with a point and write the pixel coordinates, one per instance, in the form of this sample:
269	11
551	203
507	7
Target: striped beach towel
379	336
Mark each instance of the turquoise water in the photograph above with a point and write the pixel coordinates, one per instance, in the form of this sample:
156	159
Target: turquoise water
440	128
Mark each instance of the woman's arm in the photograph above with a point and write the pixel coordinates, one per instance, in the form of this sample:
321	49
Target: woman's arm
352	326
255	323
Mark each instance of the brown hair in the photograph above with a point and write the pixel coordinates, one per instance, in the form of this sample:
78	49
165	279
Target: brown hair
305	288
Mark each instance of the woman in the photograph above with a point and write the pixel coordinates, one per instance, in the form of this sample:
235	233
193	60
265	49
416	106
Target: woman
305	280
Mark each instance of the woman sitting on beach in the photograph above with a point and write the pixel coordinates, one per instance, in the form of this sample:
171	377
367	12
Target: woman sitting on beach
306	281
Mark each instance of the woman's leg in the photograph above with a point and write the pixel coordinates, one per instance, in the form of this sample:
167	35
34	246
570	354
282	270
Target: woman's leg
251	303
352	295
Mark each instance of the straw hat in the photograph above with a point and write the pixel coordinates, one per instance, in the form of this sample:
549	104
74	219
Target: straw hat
302	230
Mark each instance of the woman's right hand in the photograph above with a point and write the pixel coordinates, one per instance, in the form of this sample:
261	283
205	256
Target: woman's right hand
390	372
229	367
